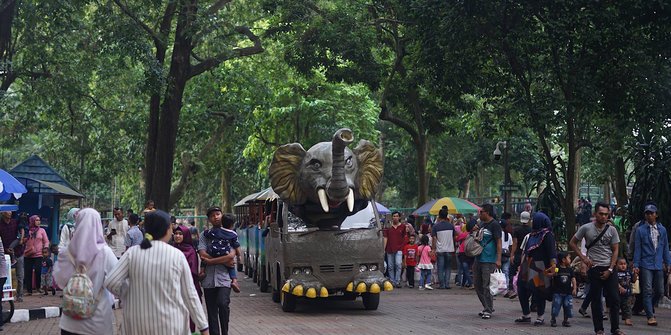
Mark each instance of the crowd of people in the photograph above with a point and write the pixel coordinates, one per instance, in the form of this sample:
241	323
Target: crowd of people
537	271
158	269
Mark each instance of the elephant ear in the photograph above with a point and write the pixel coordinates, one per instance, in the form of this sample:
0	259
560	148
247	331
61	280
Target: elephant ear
284	173
370	165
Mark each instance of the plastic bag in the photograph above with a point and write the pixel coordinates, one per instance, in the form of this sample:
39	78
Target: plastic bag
498	283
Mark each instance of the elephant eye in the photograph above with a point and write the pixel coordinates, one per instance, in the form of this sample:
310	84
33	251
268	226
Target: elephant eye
348	162
315	164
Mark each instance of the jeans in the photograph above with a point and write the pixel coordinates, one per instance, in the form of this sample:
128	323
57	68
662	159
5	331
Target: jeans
20	275
424	277
607	287
652	289
444	268
465	264
481	274
30	264
217	301
410	275
459	278
505	268
394	262
562	300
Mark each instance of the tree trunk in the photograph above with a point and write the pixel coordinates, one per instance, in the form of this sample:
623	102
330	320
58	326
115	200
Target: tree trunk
620	189
467	189
155	103
178	75
422	174
226	204
572	177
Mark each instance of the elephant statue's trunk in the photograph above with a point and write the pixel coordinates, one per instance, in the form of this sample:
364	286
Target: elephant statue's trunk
337	188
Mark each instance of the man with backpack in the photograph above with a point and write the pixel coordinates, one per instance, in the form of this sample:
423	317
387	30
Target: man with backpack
489	258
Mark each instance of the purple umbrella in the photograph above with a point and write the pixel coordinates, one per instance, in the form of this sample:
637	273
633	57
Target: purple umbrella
381	209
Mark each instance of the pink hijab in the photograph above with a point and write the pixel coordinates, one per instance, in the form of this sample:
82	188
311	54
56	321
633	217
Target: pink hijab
86	245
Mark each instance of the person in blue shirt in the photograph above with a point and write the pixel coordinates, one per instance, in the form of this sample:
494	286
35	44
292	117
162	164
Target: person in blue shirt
489	260
651	252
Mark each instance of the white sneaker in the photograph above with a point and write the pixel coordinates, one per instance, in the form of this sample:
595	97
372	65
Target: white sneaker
428	287
421	288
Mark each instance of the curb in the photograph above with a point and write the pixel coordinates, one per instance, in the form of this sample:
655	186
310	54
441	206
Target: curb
25	315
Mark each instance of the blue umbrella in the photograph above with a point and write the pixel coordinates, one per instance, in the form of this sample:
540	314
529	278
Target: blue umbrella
10	186
381	209
424	209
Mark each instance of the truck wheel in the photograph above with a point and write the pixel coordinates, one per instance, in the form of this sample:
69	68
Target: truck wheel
371	301
287	301
276	295
263	281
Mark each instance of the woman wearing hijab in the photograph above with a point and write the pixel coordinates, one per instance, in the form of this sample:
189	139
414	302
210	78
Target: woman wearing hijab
67	229
164	306
537	267
182	238
32	255
88	248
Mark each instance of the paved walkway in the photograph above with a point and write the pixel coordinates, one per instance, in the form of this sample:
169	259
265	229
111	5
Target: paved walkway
403	311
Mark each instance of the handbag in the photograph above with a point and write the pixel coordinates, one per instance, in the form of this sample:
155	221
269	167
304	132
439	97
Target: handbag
498	283
636	287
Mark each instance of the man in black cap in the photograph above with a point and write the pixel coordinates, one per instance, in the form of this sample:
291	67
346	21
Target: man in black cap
217	282
651	259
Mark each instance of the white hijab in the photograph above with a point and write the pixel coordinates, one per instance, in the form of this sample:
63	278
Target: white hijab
86	245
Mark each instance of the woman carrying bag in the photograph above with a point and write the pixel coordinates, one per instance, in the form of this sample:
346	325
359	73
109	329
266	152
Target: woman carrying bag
536	268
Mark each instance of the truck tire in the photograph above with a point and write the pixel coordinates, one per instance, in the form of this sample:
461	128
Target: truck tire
263	281
287	301
276	295
371	301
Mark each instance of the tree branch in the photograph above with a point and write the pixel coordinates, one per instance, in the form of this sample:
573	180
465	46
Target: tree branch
210	63
259	135
215	7
157	38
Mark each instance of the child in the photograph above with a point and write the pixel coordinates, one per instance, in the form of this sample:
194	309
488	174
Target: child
410	260
563	288
47	266
223	240
425	265
624	280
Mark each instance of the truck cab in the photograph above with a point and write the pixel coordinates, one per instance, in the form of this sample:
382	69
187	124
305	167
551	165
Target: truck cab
311	263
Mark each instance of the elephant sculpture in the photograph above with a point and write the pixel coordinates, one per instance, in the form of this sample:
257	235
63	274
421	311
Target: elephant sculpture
328	182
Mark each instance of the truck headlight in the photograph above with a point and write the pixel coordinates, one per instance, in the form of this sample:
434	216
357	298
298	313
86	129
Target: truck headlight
307	270
363	268
372	267
296	271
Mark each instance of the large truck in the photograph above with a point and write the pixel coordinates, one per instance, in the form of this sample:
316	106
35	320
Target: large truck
310	263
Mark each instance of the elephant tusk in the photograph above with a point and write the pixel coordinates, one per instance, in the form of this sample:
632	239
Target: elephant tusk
350	200
323	200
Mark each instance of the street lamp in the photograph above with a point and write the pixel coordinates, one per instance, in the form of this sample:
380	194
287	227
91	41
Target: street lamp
506	188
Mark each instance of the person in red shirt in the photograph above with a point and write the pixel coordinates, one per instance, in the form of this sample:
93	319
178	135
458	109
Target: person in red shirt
410	260
394	240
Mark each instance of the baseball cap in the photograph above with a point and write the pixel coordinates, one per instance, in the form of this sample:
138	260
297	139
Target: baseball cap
650	208
213	209
525	217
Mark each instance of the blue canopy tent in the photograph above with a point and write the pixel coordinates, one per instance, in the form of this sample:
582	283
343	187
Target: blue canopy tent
381	209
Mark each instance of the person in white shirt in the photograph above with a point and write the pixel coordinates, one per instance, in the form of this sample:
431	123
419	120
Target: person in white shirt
88	248
116	238
161	294
67	230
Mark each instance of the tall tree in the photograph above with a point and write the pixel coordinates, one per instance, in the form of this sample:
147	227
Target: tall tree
188	38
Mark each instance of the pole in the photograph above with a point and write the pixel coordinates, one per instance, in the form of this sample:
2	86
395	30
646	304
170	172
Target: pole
506	171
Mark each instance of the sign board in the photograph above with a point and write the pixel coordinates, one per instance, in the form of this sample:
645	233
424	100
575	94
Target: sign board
509	188
7	293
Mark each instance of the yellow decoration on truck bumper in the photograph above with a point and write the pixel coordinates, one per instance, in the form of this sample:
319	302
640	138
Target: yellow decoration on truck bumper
388	286
286	287
374	288
311	293
361	288
298	291
350	287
